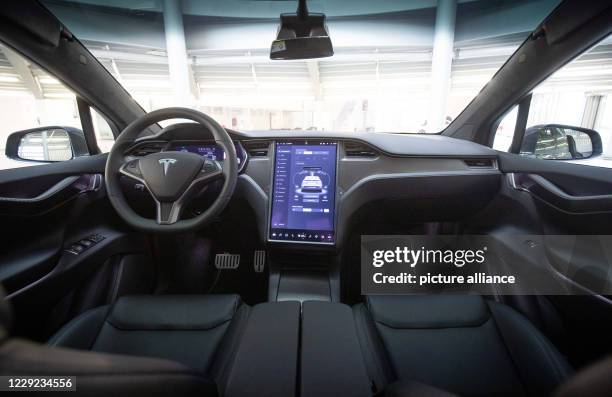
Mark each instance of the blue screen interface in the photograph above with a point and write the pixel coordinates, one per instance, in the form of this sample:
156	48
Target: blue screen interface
210	151
304	192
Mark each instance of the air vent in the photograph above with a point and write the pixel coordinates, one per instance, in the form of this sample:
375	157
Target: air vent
257	148
479	163
147	148
356	149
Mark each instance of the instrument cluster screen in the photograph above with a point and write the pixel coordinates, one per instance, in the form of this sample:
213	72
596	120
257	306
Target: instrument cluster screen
211	151
304	192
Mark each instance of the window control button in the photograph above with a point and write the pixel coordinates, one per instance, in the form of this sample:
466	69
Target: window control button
86	243
76	248
96	238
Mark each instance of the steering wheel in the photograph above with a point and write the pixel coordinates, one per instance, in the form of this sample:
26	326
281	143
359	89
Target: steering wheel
172	177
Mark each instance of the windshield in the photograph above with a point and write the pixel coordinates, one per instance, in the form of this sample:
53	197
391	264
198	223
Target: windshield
399	66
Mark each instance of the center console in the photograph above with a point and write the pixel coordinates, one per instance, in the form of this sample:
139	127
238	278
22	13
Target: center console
290	350
302	217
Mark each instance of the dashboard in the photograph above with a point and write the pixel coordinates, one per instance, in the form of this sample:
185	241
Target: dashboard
306	188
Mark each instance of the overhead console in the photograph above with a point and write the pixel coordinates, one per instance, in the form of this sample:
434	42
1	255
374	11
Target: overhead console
303	204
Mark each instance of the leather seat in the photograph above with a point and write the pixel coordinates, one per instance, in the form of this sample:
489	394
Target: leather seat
194	330
189	342
99	374
461	344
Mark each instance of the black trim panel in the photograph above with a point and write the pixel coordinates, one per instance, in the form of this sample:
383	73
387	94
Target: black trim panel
552	195
61	192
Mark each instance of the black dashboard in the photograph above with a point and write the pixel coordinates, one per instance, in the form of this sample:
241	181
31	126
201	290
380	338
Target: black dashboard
306	187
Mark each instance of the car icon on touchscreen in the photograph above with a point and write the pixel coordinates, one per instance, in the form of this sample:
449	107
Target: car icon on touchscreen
312	184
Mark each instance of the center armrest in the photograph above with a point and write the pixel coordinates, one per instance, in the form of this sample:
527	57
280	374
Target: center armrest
331	360
267	357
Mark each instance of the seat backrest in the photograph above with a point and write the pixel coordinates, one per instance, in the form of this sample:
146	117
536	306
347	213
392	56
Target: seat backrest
97	374
464	344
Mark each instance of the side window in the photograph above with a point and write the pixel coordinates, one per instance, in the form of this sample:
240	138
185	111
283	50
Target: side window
505	131
570	113
103	131
40	118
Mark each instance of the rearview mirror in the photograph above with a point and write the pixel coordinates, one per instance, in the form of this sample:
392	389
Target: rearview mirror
560	142
46	144
302	36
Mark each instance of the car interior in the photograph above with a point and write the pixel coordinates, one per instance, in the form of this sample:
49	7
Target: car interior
197	258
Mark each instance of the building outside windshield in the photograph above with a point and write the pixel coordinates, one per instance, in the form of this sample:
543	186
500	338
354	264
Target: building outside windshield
399	66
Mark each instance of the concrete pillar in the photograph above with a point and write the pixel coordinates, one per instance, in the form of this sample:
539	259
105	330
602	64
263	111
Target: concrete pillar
177	53
45	143
441	62
591	111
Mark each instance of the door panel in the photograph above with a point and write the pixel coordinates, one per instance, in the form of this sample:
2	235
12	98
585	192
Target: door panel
44	210
548	192
65	190
558	198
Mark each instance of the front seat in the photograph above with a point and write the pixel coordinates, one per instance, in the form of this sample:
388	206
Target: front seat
459	343
198	331
134	326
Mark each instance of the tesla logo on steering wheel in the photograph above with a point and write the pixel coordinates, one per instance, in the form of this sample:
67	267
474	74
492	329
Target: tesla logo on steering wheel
166	163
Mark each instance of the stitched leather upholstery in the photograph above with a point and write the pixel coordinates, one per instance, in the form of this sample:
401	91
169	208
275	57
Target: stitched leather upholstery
461	344
183	328
99	374
190	341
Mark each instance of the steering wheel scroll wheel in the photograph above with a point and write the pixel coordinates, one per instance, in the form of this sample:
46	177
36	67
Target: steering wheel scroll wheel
172	178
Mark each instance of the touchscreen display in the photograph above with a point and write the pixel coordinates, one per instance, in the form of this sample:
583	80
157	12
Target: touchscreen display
304	192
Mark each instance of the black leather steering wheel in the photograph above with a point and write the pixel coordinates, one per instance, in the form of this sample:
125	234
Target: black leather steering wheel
171	178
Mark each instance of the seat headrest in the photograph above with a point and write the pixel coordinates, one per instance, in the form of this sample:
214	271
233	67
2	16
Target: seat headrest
428	311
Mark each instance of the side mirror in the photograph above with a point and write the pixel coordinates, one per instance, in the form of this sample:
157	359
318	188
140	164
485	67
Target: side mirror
302	36
560	142
46	144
